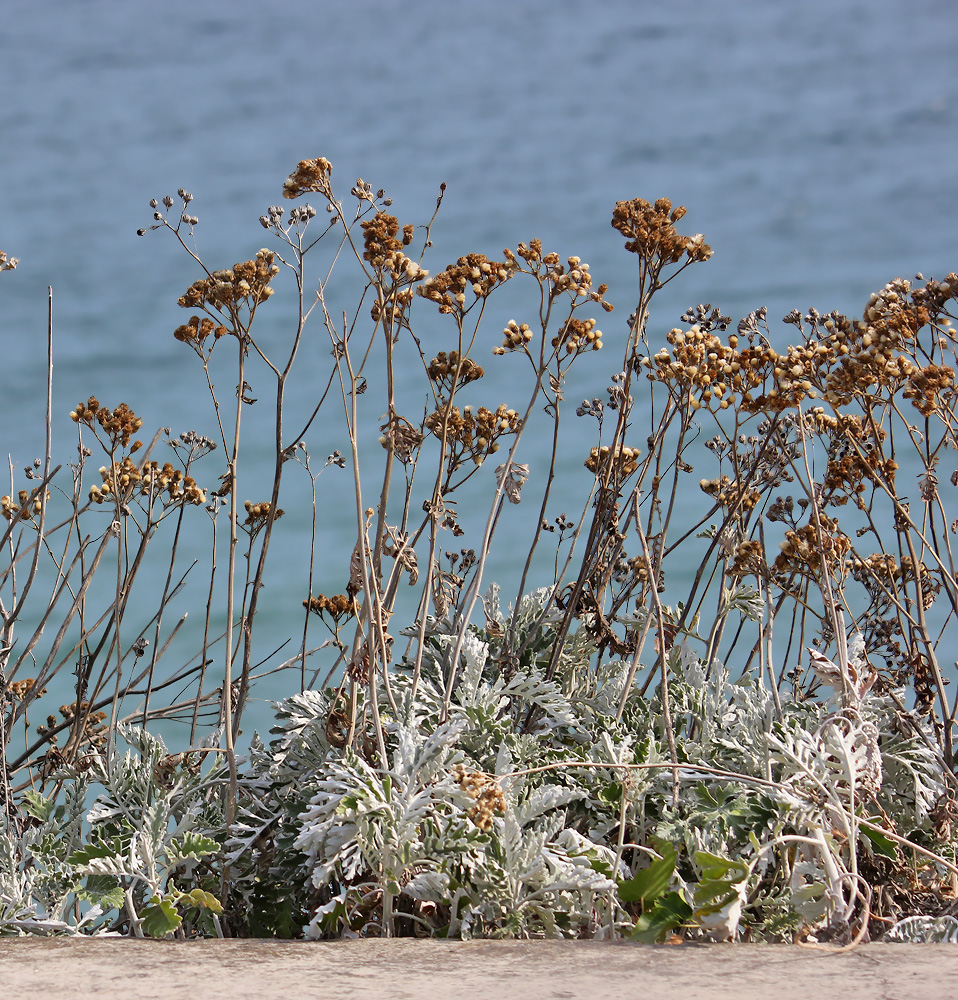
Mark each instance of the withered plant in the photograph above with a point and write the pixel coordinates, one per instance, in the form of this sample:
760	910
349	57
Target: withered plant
717	719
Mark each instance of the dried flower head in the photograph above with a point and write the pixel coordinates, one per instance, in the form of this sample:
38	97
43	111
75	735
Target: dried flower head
226	290
452	372
380	238
804	552
578	336
471	278
485	791
197	330
309	175
650	232
337	607
20	689
748	558
125	479
257	514
120	424
514	337
734	496
624	459
26	509
473	434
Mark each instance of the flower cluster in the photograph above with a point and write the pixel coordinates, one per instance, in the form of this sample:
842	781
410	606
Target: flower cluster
472	273
379	238
452	372
624	458
748	559
485	791
94	733
168	202
572	277
247	281
578	336
309	175
123	479
20	689
838	359
886	580
515	337
7	263
734	496
705	368
854	454
197	330
929	387
650	232
119	424
879	567
24	510
338	606
258	513
474	434
805	552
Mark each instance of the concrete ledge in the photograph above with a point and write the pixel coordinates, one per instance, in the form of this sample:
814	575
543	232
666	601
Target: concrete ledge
469	970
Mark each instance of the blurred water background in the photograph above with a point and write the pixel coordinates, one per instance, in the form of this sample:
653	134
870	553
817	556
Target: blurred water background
812	142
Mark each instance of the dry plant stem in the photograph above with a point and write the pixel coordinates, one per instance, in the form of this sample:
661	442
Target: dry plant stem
924	632
111	743
434	506
45	672
312	565
281	380
163	602
205	661
226	711
663	666
766	647
947	577
6	636
471	597
546	493
603	505
371	610
634	666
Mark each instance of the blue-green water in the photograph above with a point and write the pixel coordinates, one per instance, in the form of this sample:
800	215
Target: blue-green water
813	145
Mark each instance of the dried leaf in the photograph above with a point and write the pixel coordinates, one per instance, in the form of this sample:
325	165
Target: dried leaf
510	477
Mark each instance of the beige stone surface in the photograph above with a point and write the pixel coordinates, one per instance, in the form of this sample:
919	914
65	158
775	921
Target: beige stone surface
491	970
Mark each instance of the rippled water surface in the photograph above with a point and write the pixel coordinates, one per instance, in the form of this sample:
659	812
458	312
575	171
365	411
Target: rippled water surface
813	144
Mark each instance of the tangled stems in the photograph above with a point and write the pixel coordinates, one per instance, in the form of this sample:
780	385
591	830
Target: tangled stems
805	565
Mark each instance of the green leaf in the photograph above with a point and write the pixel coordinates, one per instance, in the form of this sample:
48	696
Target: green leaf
670	911
85	854
102	890
202	899
648	884
159	917
611	793
883	846
191	846
714	867
37	806
719	886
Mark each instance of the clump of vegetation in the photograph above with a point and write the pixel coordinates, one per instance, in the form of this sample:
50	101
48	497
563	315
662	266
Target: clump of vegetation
767	754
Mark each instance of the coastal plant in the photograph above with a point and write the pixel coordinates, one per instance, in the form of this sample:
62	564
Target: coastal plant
717	722
95	868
